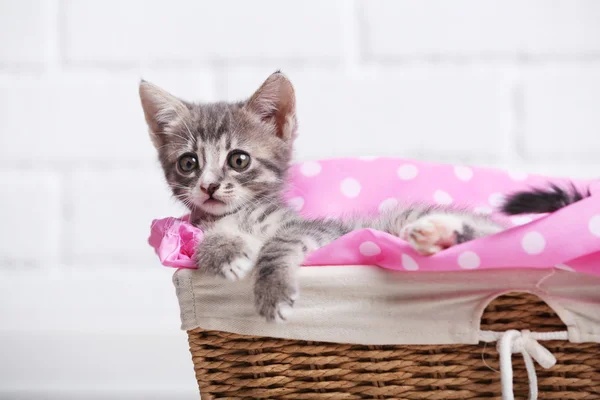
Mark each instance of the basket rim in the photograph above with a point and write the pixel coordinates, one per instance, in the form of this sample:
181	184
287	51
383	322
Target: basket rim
371	297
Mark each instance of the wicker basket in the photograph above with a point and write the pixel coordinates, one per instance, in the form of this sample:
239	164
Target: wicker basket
232	366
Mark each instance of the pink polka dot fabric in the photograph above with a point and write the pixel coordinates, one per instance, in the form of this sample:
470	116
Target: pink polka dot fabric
567	239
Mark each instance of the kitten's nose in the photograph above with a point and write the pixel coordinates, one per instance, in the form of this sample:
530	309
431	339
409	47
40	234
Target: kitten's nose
211	189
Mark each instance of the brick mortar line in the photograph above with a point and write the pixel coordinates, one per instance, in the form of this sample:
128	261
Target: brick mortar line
53	37
484	59
65	167
218	71
363	60
350	36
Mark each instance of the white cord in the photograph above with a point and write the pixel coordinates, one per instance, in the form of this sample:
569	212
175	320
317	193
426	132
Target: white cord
526	343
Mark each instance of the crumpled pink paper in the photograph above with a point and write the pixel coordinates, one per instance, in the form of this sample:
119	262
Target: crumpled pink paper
174	240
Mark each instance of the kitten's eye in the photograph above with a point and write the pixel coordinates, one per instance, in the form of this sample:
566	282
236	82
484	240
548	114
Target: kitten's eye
239	160
187	162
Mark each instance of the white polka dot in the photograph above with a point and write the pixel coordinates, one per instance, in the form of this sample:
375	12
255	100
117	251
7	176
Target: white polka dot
368	158
409	263
442	197
310	168
369	249
484	210
517	175
521	220
533	243
564	267
407	172
296	203
388	204
594	225
496	199
350	187
463	173
469	260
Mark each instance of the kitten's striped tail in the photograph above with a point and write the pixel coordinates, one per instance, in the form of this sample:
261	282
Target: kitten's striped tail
538	201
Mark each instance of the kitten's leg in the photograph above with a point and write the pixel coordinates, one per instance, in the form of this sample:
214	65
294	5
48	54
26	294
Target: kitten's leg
432	233
227	255
276	287
430	229
230	248
227	250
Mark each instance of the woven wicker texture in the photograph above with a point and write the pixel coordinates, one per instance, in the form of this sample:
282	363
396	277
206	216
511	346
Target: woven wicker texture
231	366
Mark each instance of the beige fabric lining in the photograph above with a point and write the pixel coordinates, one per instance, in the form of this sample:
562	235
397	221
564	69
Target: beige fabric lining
371	305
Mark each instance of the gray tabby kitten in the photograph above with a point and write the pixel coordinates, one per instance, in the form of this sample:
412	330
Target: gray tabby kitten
227	163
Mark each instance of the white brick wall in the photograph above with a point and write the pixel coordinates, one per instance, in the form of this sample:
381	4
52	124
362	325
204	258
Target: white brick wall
440	111
233	30
571	95
487	28
130	200
26	45
32	213
507	83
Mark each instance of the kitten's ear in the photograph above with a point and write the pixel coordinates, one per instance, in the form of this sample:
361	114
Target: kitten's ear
160	108
275	102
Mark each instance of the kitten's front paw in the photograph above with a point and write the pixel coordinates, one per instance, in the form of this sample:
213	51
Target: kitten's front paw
225	267
224	257
431	234
274	300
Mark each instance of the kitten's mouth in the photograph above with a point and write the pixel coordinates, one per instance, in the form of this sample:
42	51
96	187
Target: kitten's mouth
214	206
211	201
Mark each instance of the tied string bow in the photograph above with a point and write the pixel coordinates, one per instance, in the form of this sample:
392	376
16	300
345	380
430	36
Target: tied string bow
526	343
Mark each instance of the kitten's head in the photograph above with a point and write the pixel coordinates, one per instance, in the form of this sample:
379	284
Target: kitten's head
218	156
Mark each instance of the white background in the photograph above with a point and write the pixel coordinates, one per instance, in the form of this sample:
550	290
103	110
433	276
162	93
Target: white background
86	311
